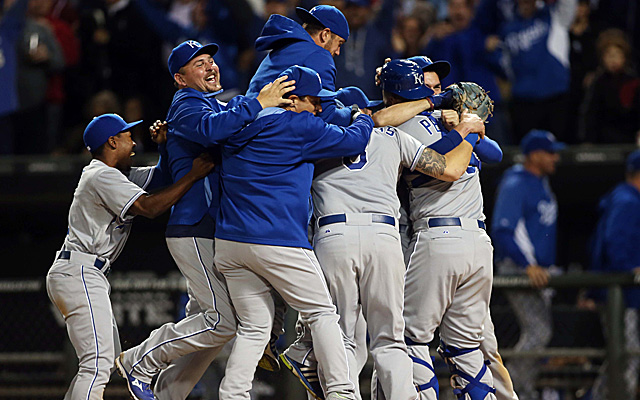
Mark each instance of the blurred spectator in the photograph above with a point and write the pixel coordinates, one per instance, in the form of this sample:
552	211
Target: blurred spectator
584	61
611	110
39	56
368	45
410	35
121	53
474	57
624	15
11	24
537	45
56	90
524	236
615	249
210	22
103	102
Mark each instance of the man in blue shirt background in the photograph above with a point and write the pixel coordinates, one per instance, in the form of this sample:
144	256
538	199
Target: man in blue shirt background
524	236
615	249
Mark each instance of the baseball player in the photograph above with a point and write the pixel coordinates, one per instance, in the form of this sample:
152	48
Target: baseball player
109	194
261	234
615	249
524	233
312	44
358	246
487	151
196	123
449	268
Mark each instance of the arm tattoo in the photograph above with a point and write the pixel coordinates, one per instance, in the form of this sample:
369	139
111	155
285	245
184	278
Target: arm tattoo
431	163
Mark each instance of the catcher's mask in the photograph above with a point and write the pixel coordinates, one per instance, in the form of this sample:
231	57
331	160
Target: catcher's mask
404	78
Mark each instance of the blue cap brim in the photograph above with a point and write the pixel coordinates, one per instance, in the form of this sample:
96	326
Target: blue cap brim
129	126
306	16
210	49
326	94
558	146
441	68
374	103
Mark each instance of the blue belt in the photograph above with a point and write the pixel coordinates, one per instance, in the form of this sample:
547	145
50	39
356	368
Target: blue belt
336	218
451	221
66	255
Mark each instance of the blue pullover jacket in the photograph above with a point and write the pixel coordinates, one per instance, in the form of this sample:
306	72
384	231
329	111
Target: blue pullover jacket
197	124
267	170
617	238
524	219
289	44
538	48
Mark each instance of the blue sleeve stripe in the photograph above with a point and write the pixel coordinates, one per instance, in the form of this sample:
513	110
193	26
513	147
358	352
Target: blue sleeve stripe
417	157
523	241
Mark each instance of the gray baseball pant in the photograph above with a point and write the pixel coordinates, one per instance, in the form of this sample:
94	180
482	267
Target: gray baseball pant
448	285
209	330
363	264
80	291
251	270
501	378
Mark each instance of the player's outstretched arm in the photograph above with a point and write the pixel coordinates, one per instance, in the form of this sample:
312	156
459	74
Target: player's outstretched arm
400	113
152	205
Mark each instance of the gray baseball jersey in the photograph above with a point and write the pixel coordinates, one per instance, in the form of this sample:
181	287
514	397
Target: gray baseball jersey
449	247
430	197
361	256
361	184
76	282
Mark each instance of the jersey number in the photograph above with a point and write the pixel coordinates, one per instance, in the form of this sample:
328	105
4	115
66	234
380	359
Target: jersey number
357	162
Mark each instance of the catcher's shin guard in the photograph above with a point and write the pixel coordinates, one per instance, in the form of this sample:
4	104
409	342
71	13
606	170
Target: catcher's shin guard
424	376
466	386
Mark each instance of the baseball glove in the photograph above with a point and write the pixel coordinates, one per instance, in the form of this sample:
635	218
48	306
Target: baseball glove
471	97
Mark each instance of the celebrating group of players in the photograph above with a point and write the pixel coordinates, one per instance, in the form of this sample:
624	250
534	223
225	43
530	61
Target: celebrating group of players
246	179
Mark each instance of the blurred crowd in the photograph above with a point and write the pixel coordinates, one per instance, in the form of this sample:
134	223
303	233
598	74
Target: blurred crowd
64	61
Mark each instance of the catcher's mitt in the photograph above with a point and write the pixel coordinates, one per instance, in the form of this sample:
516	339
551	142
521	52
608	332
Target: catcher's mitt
471	97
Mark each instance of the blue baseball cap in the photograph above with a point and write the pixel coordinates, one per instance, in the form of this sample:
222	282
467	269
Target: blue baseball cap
186	51
404	78
540	140
633	161
101	128
441	68
354	95
308	82
327	16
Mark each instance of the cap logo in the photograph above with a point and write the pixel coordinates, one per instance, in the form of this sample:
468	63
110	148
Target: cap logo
418	79
319	79
313	9
193	44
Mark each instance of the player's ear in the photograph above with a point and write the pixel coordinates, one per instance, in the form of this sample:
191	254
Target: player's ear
325	35
179	79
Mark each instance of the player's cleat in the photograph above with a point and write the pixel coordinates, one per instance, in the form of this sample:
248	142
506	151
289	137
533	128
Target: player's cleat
308	376
269	360
137	389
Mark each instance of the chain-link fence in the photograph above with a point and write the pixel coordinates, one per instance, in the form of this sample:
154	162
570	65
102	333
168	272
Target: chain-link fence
586	346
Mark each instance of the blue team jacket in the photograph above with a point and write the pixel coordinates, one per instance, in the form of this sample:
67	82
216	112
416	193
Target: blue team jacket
197	123
538	48
267	171
617	236
524	219
289	44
